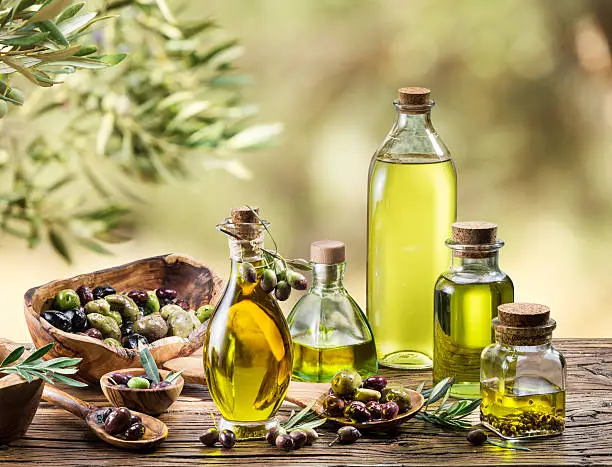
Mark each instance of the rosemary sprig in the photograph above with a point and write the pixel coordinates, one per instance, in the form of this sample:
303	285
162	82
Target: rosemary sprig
51	371
451	414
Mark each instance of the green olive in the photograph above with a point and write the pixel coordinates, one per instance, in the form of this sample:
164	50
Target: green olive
111	341
116	316
183	323
345	382
268	280
399	395
66	299
204	312
138	383
98	306
152	305
124	305
366	395
105	324
169	310
153	327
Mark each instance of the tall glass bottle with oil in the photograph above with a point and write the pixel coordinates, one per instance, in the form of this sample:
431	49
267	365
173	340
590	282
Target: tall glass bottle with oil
247	351
411	206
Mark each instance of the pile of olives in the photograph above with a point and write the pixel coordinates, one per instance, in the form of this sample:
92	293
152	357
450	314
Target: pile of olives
280	283
212	436
123	424
295	439
124	319
364	401
124	380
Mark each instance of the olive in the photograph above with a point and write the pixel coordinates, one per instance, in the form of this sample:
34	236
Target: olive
152	305
248	273
98	306
93	332
274	433
116	316
333	405
357	412
120	378
132	341
346	435
375	409
284	442
299	438
204	312
112	341
138	383
123	305
183	323
105	324
58	320
107	412
477	437
135	419
103	291
296	280
389	410
366	395
210	437
378	383
166	294
79	320
139	296
127	329
227	438
183	304
117	421
345	382
268	281
66	299
85	294
282	291
399	395
161	385
169	310
134	432
153	327
311	436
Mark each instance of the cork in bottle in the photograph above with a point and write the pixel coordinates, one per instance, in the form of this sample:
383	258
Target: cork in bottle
327	252
413	95
523	324
478	236
245	223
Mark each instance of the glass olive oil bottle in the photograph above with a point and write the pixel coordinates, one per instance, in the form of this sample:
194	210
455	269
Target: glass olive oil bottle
329	331
411	206
466	298
247	351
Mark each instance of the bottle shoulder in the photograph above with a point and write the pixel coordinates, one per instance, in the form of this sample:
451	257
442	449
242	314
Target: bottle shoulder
453	277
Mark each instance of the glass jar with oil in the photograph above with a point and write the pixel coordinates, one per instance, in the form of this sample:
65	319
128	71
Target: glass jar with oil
329	331
466	298
247	350
522	376
411	206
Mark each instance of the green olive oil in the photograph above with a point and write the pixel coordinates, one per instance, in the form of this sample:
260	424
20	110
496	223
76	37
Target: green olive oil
523	408
412	204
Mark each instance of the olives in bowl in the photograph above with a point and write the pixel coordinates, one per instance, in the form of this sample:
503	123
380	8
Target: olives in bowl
133	389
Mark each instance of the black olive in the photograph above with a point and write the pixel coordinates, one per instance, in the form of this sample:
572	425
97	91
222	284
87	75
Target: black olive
284	442
140	297
131	342
103	291
476	437
162	384
357	412
227	438
375	409
135	419
79	320
378	383
333	405
182	303
134	432
389	409
346	435
164	293
118	421
299	438
85	294
120	378
107	412
126	329
58	319
210	437
93	332
274	433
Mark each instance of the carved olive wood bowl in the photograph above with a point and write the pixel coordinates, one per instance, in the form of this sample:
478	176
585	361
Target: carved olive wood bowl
194	282
149	401
18	400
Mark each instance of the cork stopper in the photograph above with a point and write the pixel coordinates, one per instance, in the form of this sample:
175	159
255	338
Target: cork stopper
474	233
243	215
523	324
523	314
413	96
327	252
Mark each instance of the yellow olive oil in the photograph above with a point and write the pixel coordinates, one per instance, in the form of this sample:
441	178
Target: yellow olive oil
462	327
523	408
248	355
319	365
411	206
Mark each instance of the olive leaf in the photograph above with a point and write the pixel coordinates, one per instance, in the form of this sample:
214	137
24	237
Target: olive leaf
148	363
305	418
13	356
450	415
173	376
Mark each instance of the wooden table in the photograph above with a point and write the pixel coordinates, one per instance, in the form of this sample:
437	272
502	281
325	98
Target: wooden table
56	438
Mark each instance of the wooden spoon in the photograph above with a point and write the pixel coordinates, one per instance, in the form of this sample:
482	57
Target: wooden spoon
156	430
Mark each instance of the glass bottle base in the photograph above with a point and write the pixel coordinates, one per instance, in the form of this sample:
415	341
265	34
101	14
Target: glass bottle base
248	430
522	437
406	360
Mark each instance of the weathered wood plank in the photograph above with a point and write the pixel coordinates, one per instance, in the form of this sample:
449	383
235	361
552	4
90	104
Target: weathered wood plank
57	438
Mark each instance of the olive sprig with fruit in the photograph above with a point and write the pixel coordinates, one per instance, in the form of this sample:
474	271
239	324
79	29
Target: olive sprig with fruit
51	371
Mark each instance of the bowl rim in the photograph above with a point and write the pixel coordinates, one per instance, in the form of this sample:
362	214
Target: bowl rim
179	383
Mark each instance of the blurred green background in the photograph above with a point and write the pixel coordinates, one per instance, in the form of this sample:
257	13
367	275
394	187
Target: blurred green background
524	101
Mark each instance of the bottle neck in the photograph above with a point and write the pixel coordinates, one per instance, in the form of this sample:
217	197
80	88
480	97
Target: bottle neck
487	264
327	276
417	122
246	250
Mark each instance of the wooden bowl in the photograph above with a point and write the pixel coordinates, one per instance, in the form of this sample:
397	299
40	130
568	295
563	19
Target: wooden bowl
417	401
149	401
18	400
194	282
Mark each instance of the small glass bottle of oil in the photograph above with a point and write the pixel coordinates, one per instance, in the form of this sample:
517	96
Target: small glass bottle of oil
522	376
411	206
247	350
466	298
329	331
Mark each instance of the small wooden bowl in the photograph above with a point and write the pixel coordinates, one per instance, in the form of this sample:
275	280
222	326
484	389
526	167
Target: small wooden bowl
18	400
417	401
194	282
149	401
